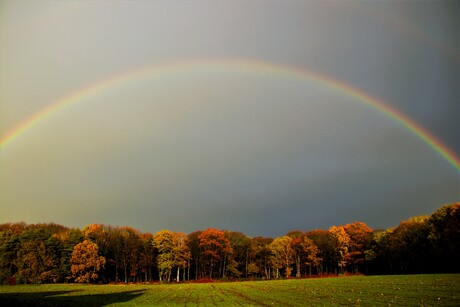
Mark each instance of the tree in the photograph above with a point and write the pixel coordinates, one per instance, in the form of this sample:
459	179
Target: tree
327	253
9	246
281	255
296	236
409	245
241	246
38	254
128	249
342	242
260	246
181	253
86	262
310	254
360	237
105	238
67	240
173	252
215	248
379	255
193	242
146	256
444	234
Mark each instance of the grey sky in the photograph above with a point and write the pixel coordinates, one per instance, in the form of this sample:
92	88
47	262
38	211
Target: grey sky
235	149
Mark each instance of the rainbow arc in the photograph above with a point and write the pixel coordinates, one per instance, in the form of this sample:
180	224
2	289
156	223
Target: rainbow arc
264	68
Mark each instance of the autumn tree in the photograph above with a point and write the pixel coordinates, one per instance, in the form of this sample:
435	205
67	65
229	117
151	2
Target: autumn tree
281	255
38	254
379	255
409	245
99	234
360	237
215	249
327	252
146	256
444	235
9	246
86	262
193	242
180	253
128	250
261	257
42	253
173	252
305	251
67	240
241	246
342	243
104	237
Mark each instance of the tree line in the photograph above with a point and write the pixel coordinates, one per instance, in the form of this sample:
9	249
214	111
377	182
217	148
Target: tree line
51	253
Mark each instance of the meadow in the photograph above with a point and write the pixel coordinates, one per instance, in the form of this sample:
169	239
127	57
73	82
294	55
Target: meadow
398	290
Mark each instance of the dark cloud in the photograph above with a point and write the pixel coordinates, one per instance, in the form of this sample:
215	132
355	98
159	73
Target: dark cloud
235	149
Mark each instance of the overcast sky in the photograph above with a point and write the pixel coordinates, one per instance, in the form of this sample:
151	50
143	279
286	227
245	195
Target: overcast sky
229	147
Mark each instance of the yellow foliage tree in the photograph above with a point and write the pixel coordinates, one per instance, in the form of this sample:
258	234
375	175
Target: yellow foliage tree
281	255
342	244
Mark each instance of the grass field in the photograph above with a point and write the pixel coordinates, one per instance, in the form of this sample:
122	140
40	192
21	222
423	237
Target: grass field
404	290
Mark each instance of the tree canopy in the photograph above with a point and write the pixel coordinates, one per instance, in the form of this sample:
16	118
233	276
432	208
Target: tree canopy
51	253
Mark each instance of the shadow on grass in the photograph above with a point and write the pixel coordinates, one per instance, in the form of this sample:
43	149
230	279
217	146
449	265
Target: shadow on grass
59	298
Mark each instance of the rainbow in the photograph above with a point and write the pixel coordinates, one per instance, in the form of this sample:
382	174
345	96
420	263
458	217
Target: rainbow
264	68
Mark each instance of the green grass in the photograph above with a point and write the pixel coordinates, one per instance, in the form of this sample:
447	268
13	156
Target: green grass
404	290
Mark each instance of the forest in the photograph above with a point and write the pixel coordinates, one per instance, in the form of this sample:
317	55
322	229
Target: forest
52	253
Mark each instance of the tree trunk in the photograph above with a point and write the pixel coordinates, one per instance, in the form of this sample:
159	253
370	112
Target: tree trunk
126	272
246	268
223	270
177	277
297	264
221	264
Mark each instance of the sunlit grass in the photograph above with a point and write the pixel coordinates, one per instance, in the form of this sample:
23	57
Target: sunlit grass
404	290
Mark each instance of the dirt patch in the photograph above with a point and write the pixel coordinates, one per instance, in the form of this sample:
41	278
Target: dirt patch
243	296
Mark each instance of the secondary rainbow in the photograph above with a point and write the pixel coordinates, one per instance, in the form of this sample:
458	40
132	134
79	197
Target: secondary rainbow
265	68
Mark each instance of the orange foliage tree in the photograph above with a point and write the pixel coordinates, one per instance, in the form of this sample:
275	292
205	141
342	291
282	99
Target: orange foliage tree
215	248
360	237
86	262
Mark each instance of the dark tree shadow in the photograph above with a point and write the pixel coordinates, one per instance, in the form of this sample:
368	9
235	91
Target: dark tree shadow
56	298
